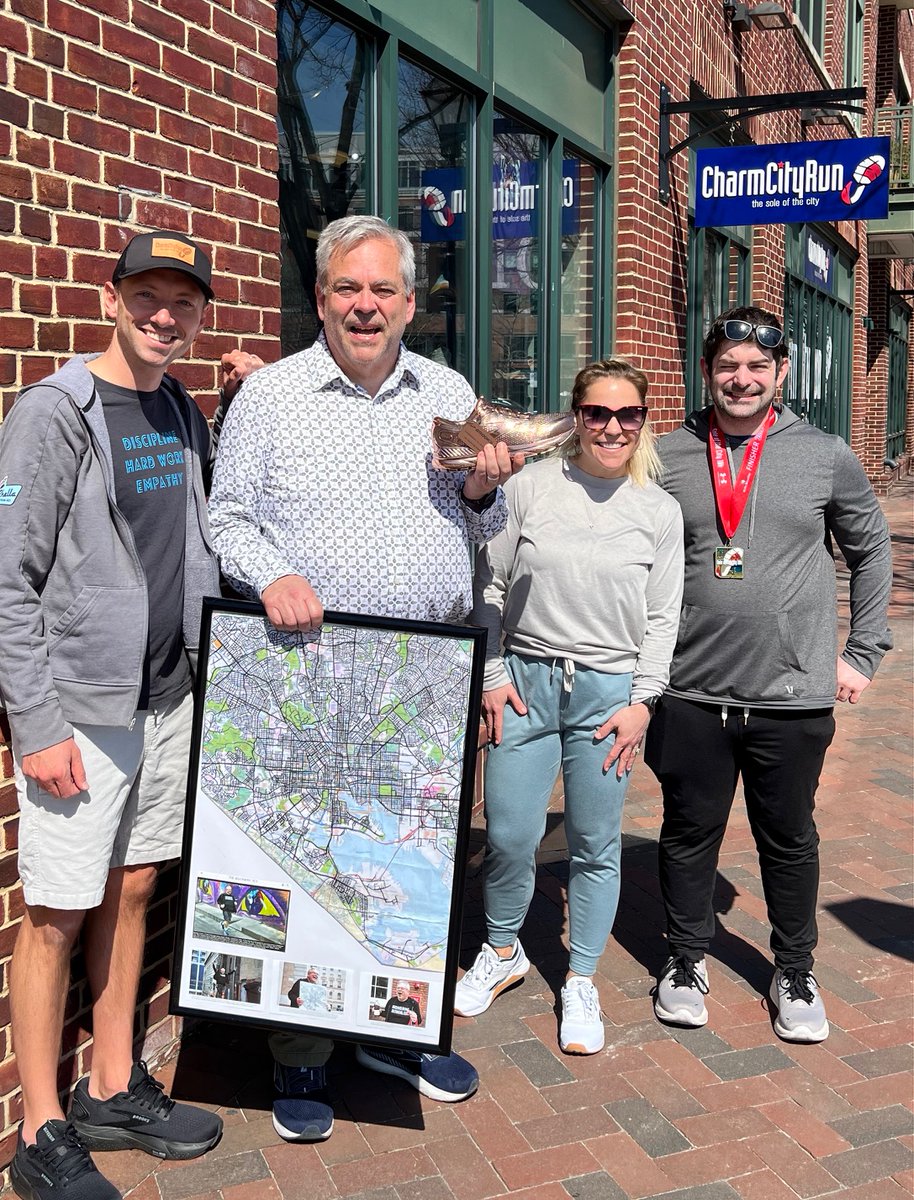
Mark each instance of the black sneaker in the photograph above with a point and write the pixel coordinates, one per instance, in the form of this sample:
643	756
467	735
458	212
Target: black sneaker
446	1077
301	1107
58	1164
143	1118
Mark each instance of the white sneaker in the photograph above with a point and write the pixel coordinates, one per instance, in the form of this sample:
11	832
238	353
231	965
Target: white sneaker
679	997
488	977
799	1009
581	1031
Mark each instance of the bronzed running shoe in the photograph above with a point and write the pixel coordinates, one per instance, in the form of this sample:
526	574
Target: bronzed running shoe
143	1118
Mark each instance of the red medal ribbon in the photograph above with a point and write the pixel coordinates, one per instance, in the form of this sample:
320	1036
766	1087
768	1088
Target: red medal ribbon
731	499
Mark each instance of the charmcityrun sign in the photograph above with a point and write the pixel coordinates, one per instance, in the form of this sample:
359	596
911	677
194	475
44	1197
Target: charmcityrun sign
842	180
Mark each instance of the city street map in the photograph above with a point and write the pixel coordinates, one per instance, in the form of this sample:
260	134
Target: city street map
341	755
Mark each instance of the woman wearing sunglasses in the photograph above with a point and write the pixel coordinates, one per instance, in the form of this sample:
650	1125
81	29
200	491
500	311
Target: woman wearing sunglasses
580	595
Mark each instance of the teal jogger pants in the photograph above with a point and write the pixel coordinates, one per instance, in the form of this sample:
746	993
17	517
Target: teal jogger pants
565	705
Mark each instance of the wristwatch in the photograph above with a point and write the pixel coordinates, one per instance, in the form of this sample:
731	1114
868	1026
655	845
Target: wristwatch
650	704
480	505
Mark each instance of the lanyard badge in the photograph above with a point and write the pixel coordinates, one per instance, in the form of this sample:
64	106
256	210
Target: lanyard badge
731	498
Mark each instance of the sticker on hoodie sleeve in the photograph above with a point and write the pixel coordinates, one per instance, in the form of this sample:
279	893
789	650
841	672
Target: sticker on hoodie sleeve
9	491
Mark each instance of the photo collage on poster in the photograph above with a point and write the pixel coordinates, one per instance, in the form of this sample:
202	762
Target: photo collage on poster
235	922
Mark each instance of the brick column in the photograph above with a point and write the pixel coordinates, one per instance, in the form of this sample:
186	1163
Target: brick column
120	115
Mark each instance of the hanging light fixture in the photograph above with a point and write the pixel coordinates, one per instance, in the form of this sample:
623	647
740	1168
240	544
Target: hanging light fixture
770	15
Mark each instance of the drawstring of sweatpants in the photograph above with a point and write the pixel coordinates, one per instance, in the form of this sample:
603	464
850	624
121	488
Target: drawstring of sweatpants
725	712
567	672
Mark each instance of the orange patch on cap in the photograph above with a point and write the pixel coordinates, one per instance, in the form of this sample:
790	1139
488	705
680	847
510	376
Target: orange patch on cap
171	248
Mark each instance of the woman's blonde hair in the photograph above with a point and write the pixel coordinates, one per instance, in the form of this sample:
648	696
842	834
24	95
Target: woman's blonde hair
644	464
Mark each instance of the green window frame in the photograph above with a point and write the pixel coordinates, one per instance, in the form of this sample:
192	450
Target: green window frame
896	411
719	278
811	16
819	338
386	186
853	50
819	325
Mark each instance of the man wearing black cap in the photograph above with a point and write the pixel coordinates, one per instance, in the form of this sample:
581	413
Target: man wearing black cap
103	516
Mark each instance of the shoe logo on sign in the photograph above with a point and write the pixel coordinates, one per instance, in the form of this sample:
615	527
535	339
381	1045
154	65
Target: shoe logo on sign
866	171
437	206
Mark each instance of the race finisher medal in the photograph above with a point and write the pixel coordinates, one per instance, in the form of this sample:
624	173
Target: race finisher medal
731	499
728	562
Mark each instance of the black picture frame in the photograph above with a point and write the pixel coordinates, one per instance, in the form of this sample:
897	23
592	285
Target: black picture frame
272	931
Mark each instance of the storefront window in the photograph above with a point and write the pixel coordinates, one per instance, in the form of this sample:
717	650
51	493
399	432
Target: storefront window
719	279
818	319
899	322
579	198
322	67
517	173
433	118
725	271
819	343
369	123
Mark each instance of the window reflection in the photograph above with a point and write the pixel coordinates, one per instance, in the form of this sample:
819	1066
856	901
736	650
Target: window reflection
516	331
322	67
433	136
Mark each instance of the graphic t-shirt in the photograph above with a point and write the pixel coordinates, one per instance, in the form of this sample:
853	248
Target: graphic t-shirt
151	490
403	1012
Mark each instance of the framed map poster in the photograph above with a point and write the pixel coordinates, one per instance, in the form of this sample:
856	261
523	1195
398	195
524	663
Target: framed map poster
328	815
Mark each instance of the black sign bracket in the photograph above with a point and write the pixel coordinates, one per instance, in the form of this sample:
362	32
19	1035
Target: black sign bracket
738	108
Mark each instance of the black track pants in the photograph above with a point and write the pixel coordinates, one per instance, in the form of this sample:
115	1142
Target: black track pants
698	760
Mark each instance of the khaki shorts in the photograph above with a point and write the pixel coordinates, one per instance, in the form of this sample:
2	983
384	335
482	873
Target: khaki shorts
132	812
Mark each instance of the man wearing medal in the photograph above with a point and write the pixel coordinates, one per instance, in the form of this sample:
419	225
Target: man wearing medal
756	671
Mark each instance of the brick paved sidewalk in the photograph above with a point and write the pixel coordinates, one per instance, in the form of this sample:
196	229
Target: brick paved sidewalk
728	1112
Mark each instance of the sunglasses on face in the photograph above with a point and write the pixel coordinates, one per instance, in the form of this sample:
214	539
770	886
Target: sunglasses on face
597	416
766	335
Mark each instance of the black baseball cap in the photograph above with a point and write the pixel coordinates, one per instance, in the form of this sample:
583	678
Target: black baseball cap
165	249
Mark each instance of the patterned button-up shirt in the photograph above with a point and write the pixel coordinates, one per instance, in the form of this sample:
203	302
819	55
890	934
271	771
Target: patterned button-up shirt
317	478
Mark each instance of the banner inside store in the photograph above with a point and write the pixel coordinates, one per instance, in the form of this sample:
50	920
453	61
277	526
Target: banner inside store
515	201
842	180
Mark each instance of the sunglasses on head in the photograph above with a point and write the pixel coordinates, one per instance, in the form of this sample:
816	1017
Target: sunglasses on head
597	416
768	336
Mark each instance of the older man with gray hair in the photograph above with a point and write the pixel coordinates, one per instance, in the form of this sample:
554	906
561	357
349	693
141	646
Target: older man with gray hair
324	493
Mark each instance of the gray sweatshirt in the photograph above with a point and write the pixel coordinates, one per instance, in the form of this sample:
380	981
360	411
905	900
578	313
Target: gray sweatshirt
586	569
73	603
770	640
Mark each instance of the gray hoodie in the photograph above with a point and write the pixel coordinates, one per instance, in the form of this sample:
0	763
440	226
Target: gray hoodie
770	640
73	603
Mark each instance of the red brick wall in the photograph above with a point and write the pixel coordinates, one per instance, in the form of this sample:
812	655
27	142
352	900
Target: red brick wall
649	322
902	278
119	115
693	42
892	38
